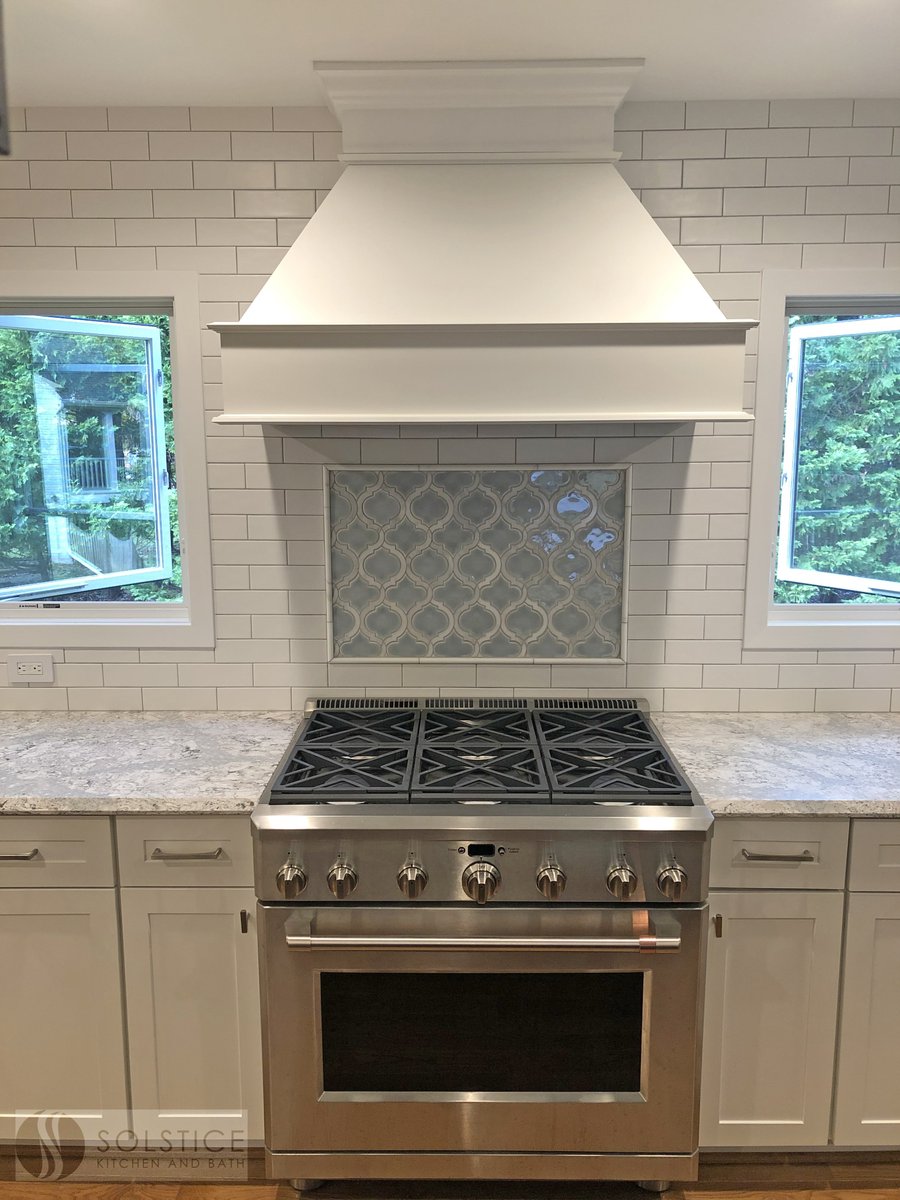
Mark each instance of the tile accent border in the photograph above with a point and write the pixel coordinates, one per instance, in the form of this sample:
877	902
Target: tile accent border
458	564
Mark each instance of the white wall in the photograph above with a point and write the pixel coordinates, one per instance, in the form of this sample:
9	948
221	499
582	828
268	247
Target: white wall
738	186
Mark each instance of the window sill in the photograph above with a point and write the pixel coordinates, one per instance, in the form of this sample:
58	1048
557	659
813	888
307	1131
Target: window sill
815	629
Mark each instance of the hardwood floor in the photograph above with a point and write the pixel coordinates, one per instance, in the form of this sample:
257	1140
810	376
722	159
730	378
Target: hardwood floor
835	1180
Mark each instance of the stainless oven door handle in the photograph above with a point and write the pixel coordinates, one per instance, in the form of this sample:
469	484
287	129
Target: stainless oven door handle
641	945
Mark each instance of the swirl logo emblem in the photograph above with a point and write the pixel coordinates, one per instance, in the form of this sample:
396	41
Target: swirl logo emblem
49	1146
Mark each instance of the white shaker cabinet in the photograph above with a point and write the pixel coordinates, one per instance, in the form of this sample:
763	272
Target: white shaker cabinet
867	1098
191	974
771	1018
63	1045
773	974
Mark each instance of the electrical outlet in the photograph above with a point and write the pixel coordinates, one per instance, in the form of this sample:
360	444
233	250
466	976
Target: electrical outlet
29	668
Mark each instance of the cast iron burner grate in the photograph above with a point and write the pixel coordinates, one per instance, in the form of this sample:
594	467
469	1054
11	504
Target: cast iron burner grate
634	775
483	773
563	727
356	770
481	727
367	724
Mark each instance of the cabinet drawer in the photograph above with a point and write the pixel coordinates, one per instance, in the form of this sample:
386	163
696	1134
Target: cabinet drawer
875	856
185	851
48	851
779	852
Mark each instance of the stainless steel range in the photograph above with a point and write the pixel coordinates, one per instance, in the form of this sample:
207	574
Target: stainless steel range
483	932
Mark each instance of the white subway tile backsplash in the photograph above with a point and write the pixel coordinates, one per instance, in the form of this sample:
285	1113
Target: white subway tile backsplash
756	201
790	171
695	143
653	174
724	172
777	700
204	118
724	230
650	115
839	254
160	117
682	202
105	202
870	229
810	112
819	675
850	141
15	202
803	229
853	700
726	114
270	146
177	145
875	170
107	146
65	118
767	143
792	183
145	175
304	118
63	232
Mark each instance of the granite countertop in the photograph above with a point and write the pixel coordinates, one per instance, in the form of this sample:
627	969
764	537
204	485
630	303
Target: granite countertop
798	764
139	762
742	764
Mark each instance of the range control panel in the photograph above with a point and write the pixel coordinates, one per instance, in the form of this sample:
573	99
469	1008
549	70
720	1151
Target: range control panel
324	866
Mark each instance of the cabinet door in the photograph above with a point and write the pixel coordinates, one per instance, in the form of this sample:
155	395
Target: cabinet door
192	992
62	1043
867	1099
771	1018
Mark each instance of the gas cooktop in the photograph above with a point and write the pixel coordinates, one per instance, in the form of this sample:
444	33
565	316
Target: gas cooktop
479	751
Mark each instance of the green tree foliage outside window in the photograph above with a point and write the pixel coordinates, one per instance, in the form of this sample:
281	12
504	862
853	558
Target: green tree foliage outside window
846	514
25	499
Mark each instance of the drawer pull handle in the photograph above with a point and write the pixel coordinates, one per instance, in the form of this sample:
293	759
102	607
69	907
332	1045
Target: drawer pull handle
25	856
189	856
803	856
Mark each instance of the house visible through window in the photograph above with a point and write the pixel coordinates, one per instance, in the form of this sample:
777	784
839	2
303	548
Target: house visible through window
839	516
88	508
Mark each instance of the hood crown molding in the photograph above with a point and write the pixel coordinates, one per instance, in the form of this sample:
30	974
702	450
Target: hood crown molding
537	111
481	259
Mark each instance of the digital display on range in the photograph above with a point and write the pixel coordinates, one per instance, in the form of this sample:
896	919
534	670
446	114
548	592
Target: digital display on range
481	850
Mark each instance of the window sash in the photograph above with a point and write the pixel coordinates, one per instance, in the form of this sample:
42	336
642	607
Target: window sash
158	477
784	567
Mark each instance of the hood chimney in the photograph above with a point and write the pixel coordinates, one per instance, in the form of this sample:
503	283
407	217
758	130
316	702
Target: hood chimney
481	259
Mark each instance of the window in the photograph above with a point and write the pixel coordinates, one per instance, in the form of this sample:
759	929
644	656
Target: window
100	402
824	561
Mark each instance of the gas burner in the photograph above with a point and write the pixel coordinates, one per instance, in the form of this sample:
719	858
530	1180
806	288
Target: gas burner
559	727
482	726
497	772
326	773
633	774
374	724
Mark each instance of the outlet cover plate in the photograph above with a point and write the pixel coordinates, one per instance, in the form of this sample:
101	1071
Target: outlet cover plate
29	668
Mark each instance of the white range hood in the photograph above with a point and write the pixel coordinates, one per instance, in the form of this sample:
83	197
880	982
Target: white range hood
481	259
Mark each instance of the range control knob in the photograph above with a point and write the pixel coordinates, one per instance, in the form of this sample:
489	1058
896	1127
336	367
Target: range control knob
551	882
622	881
412	879
480	880
672	882
290	880
342	880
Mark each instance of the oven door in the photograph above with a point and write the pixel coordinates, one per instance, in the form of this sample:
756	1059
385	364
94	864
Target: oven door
451	1029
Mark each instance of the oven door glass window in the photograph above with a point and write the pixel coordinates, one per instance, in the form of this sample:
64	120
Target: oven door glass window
477	1032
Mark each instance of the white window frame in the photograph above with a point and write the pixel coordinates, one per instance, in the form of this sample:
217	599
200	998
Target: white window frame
152	624
802	626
